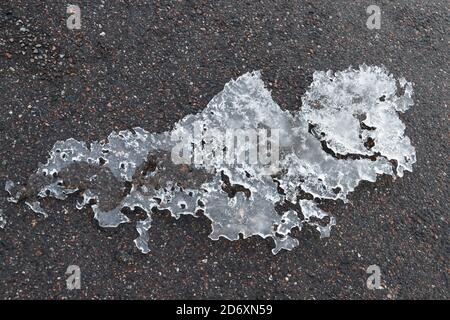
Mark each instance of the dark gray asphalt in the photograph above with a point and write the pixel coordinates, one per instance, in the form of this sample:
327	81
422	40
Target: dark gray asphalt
161	60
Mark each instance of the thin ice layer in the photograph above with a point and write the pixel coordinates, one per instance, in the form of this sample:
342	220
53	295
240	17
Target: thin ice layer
347	131
357	113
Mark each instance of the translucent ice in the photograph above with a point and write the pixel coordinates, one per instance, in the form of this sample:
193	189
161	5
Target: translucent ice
2	220
347	131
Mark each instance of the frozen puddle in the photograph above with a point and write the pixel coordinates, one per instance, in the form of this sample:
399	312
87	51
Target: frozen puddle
348	130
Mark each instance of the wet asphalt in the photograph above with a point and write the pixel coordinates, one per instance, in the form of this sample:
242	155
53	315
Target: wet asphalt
150	63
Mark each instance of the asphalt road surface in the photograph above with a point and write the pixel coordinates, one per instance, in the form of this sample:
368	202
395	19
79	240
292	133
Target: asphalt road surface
150	63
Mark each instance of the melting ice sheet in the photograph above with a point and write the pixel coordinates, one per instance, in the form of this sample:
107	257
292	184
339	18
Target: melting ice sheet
348	130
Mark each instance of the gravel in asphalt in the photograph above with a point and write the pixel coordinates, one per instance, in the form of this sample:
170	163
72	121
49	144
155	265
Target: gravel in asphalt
150	63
